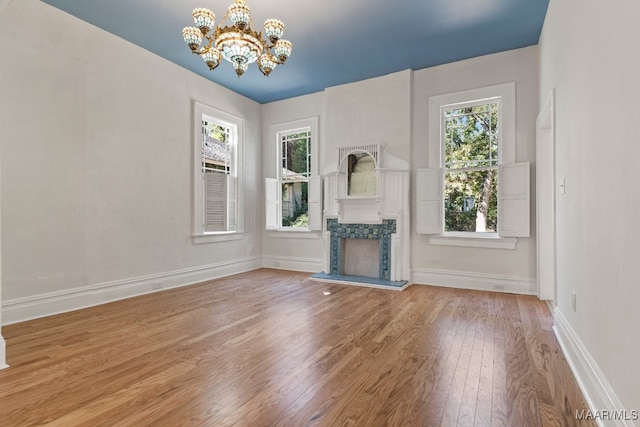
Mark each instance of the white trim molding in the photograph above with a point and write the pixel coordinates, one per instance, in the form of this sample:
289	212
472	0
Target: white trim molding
475	281
597	391
3	353
33	307
467	240
309	265
3	345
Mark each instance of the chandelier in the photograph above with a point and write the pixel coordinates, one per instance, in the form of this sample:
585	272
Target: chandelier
239	43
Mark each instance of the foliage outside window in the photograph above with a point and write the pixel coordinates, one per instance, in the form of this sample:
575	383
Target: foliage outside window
471	139
295	149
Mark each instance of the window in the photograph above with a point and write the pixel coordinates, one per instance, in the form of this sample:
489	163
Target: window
295	172
293	197
473	193
470	140
216	187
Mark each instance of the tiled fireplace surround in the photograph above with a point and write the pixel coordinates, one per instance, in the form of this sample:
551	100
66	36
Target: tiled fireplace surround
381	232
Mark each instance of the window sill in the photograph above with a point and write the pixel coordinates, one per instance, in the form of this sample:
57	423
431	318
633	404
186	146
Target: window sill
284	233
468	240
217	237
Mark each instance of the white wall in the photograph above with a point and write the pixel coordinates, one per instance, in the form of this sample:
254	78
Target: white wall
393	110
96	167
372	111
589	54
511	269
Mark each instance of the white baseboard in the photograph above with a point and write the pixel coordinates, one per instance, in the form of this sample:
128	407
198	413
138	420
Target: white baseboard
22	309
309	265
475	281
597	391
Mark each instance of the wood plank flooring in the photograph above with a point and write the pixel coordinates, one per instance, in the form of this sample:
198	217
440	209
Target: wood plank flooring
274	348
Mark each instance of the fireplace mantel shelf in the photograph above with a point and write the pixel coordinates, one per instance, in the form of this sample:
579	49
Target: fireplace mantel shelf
360	209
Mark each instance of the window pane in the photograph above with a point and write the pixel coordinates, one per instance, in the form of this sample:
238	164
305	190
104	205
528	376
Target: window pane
219	195
216	146
471	138
471	201
296	162
295	204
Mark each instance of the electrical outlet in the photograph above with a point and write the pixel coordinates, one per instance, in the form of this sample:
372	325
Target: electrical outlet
574	301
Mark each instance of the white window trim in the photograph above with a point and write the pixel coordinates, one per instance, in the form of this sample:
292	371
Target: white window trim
295	233
274	130
467	240
218	236
199	235
506	154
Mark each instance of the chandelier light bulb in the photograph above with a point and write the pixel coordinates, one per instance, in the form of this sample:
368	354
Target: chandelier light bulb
204	19
240	67
267	63
283	49
192	37
274	29
239	14
211	57
238	43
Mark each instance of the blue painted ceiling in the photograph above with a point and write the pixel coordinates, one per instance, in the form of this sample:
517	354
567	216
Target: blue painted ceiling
334	41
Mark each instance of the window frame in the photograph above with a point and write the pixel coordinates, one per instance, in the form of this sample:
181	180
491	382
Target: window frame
275	134
505	95
236	126
280	177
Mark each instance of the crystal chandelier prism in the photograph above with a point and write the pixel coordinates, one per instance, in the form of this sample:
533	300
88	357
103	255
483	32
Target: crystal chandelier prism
238	43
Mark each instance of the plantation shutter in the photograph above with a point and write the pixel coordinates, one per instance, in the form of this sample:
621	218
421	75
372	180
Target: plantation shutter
429	201
232	203
215	201
315	203
514	200
271	203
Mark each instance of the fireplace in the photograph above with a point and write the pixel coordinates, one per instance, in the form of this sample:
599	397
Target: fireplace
382	233
366	211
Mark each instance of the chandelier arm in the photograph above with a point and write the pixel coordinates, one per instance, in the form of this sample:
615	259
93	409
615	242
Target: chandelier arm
275	57
204	48
224	18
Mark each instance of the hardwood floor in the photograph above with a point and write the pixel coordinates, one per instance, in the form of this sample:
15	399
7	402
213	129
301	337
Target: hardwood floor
274	348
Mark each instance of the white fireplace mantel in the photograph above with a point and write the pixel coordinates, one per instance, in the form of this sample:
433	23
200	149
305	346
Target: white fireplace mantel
390	203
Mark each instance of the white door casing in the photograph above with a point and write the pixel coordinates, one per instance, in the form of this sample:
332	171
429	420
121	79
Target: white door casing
545	201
